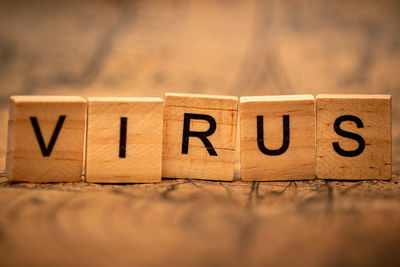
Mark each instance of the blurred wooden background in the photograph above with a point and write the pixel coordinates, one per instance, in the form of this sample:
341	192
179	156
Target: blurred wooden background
145	48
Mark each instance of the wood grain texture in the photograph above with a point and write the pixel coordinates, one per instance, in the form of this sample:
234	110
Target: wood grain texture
57	161
252	47
198	223
375	159
297	161
141	159
198	162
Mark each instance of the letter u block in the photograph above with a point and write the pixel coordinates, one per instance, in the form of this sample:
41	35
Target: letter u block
124	140
45	138
277	137
354	137
199	136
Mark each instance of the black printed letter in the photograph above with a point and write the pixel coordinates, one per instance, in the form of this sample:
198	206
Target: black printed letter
46	151
354	136
202	135
122	137
260	137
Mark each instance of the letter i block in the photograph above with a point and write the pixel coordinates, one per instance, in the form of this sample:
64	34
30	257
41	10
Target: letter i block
124	140
199	136
354	137
46	138
277	140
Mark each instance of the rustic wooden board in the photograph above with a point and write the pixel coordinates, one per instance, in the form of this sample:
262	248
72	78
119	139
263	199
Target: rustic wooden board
145	48
190	222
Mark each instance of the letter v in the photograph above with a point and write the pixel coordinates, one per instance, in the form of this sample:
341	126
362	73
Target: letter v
46	151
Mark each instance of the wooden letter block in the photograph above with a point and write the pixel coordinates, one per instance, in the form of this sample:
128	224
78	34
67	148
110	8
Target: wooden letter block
46	138
354	137
124	140
277	140
199	136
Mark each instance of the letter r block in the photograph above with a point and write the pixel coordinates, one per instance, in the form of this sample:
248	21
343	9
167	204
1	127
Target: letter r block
199	136
124	140
354	137
277	137
45	138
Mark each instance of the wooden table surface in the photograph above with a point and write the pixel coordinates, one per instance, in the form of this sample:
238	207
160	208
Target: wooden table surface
147	48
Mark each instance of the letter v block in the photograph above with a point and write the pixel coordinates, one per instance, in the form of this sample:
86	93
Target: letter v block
354	137
46	138
199	136
124	140
277	140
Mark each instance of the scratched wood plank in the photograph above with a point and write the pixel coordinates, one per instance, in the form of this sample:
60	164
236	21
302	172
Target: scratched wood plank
188	222
145	48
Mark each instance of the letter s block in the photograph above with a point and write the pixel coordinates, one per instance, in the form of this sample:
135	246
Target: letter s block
199	136
46	138
124	140
354	137
277	137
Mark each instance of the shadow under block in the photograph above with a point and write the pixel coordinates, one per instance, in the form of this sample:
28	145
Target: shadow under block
277	137
124	140
45	138
354	137
205	148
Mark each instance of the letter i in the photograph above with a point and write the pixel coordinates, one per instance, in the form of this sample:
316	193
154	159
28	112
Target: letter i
122	137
